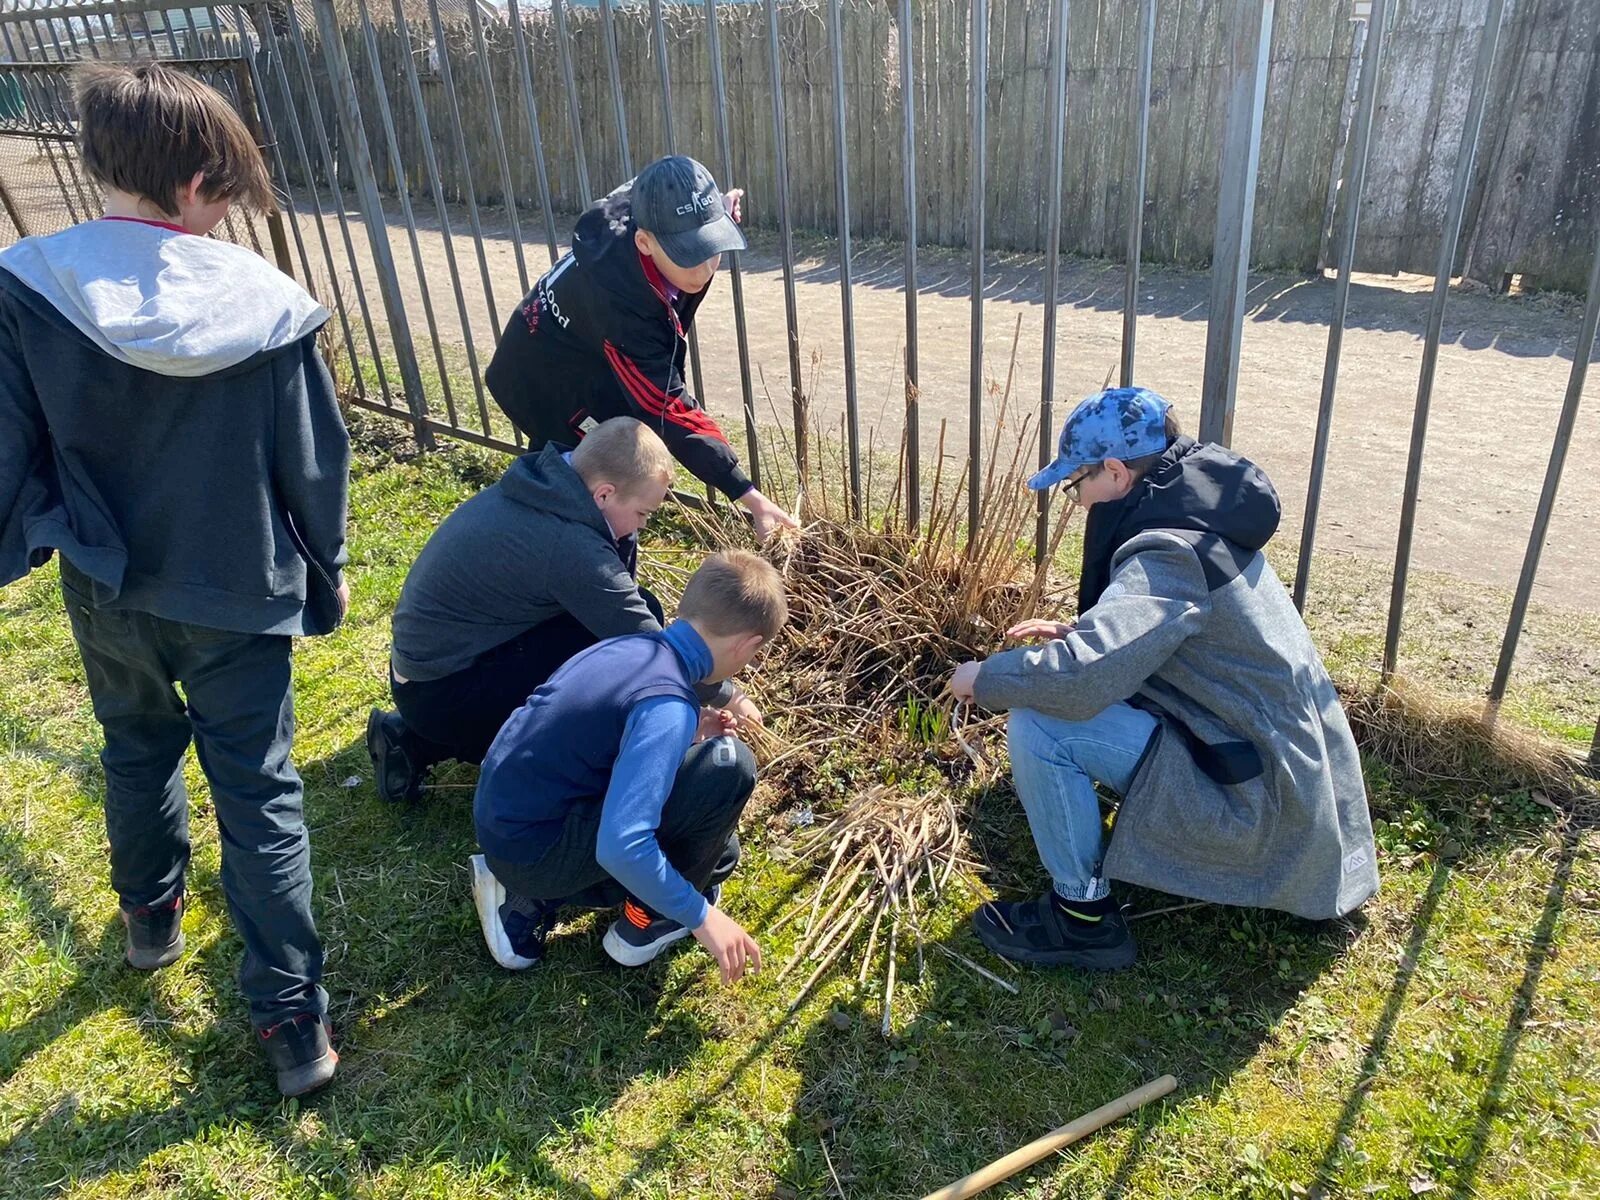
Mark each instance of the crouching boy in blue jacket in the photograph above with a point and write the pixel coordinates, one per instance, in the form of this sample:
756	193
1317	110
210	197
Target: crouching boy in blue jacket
612	785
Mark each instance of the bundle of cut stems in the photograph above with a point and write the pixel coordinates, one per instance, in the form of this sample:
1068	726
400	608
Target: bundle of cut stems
884	850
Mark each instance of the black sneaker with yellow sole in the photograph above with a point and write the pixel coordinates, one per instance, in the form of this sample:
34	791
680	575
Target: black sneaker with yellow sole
1039	932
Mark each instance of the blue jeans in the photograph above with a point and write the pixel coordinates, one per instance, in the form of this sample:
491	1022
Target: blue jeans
1055	765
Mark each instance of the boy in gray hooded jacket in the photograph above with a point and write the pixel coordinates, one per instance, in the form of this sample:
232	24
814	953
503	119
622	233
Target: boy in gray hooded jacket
168	427
1188	685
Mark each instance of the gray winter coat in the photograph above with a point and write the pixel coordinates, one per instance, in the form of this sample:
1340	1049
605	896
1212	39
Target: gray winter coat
1250	791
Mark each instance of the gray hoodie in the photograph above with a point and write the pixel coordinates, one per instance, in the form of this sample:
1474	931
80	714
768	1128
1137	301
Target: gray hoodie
167	424
1251	790
523	550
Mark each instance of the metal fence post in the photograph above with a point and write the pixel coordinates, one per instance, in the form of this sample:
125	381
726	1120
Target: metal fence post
459	140
430	162
536	135
841	166
330	171
250	110
403	190
1355	186
1047	375
360	158
978	162
1236	205
608	35
1443	270
276	53
719	93
780	143
1581	354
558	10
497	137
1138	172
908	167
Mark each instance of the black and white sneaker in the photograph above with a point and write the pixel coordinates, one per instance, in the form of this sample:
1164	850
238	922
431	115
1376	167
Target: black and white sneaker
1038	931
639	935
396	776
515	937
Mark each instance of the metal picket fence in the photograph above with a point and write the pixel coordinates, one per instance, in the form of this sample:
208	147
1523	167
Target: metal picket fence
294	66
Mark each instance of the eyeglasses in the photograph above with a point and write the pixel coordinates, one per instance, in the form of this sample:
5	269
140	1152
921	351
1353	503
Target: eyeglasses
1071	486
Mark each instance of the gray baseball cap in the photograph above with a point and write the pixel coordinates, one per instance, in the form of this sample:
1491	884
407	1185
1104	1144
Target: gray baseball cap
676	199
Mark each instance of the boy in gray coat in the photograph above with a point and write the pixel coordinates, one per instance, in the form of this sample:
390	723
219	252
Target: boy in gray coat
1188	685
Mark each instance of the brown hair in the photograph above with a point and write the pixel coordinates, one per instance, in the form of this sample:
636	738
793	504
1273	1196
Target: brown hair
735	592
148	129
623	452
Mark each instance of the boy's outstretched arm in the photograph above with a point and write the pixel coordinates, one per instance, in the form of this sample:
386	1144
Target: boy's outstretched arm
657	395
1156	599
658	734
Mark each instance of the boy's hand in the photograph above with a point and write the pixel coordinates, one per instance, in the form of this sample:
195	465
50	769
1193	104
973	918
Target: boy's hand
744	712
728	943
1048	631
344	598
964	680
730	202
714	722
767	515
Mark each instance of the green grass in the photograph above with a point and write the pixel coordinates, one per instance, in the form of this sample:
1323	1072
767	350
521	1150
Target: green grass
1441	1038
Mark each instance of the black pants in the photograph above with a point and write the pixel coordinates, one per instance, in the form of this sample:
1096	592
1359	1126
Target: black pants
458	716
237	707
696	833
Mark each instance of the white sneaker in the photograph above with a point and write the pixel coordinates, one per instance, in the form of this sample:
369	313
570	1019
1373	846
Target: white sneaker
636	937
487	896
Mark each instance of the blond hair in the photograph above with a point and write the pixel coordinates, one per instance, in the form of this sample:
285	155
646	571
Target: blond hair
624	453
148	129
735	592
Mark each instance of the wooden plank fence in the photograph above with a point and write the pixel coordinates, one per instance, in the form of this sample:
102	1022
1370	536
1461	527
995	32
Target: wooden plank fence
1533	208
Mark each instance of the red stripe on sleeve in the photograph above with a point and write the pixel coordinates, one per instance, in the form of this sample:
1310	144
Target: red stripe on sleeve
656	402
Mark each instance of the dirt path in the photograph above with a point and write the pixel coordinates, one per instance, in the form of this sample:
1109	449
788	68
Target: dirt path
1501	375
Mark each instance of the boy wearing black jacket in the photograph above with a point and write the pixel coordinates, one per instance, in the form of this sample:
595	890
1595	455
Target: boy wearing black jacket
603	334
169	428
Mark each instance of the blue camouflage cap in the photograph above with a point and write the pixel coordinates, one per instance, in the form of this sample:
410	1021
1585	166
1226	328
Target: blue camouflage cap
1125	422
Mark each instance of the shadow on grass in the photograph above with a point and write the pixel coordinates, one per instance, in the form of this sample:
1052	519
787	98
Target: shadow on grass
973	1070
1540	948
450	1062
1378	1048
445	1056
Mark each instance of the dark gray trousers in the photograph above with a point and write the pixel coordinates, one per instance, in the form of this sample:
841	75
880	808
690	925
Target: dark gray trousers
237	706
